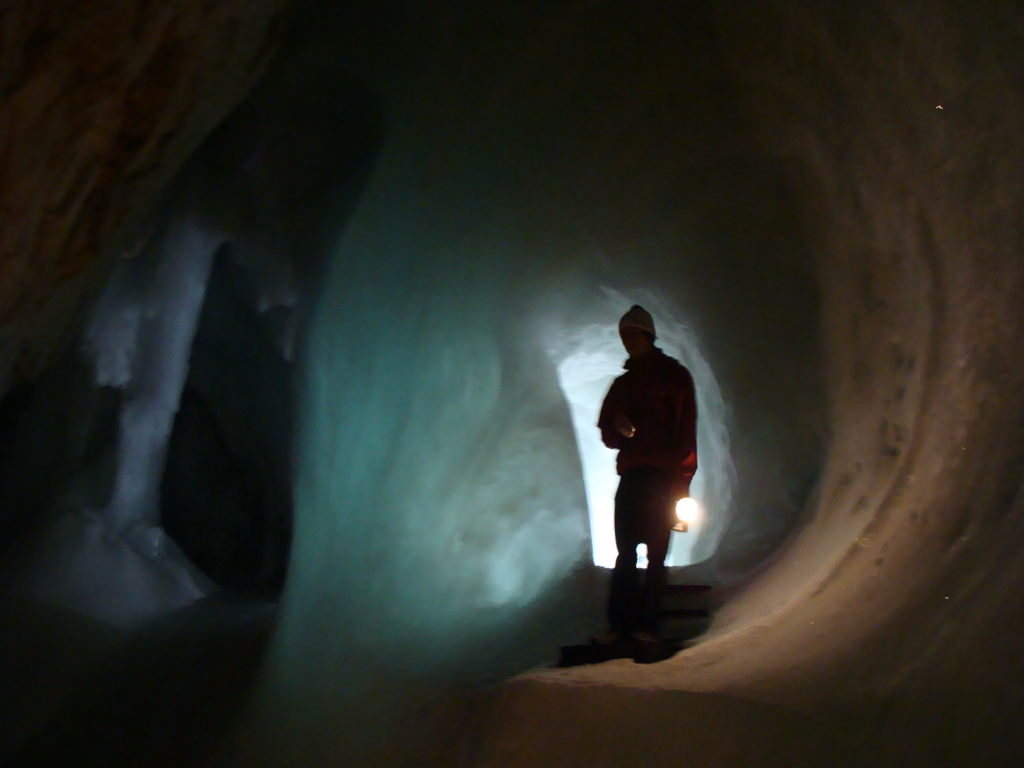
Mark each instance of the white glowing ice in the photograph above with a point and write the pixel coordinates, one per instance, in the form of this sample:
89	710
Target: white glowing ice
116	564
140	338
587	360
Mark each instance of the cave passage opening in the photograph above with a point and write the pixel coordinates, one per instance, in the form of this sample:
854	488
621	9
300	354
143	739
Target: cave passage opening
586	367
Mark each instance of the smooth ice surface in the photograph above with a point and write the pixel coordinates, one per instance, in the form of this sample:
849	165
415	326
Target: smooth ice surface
440	509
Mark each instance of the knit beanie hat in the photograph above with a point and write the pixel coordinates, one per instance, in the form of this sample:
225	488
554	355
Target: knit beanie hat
638	317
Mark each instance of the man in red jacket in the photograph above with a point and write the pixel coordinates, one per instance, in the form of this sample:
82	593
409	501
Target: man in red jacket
650	416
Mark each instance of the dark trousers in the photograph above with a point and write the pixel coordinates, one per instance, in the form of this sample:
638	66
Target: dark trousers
643	513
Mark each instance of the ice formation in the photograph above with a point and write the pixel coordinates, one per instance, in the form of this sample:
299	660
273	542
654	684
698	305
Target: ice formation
140	338
116	564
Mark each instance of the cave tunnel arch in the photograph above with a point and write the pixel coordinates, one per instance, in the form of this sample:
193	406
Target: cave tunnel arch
587	358
437	451
826	198
741	167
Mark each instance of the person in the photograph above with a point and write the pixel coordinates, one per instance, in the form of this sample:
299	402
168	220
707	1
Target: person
650	416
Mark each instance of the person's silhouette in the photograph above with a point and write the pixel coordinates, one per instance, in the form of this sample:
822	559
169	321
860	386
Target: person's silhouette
650	416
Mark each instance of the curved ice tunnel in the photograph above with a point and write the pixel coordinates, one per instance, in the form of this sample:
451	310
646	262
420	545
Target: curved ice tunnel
442	532
442	506
441	514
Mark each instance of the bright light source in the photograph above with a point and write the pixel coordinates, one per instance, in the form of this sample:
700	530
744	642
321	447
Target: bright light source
687	510
584	376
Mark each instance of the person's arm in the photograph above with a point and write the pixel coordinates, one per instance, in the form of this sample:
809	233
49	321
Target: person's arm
610	417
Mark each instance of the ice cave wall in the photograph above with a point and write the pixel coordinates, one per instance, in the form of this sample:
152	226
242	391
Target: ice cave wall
441	531
826	196
723	156
885	633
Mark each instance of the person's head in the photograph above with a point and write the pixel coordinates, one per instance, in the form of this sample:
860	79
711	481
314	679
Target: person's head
636	329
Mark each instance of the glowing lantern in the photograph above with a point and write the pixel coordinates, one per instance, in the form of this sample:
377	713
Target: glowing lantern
687	513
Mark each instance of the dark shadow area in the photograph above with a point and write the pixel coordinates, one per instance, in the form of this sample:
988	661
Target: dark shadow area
225	493
58	440
166	697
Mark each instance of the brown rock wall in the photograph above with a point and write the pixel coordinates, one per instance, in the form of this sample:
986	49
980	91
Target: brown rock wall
100	103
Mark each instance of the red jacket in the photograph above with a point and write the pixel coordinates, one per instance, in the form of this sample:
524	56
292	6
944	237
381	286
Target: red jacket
656	394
